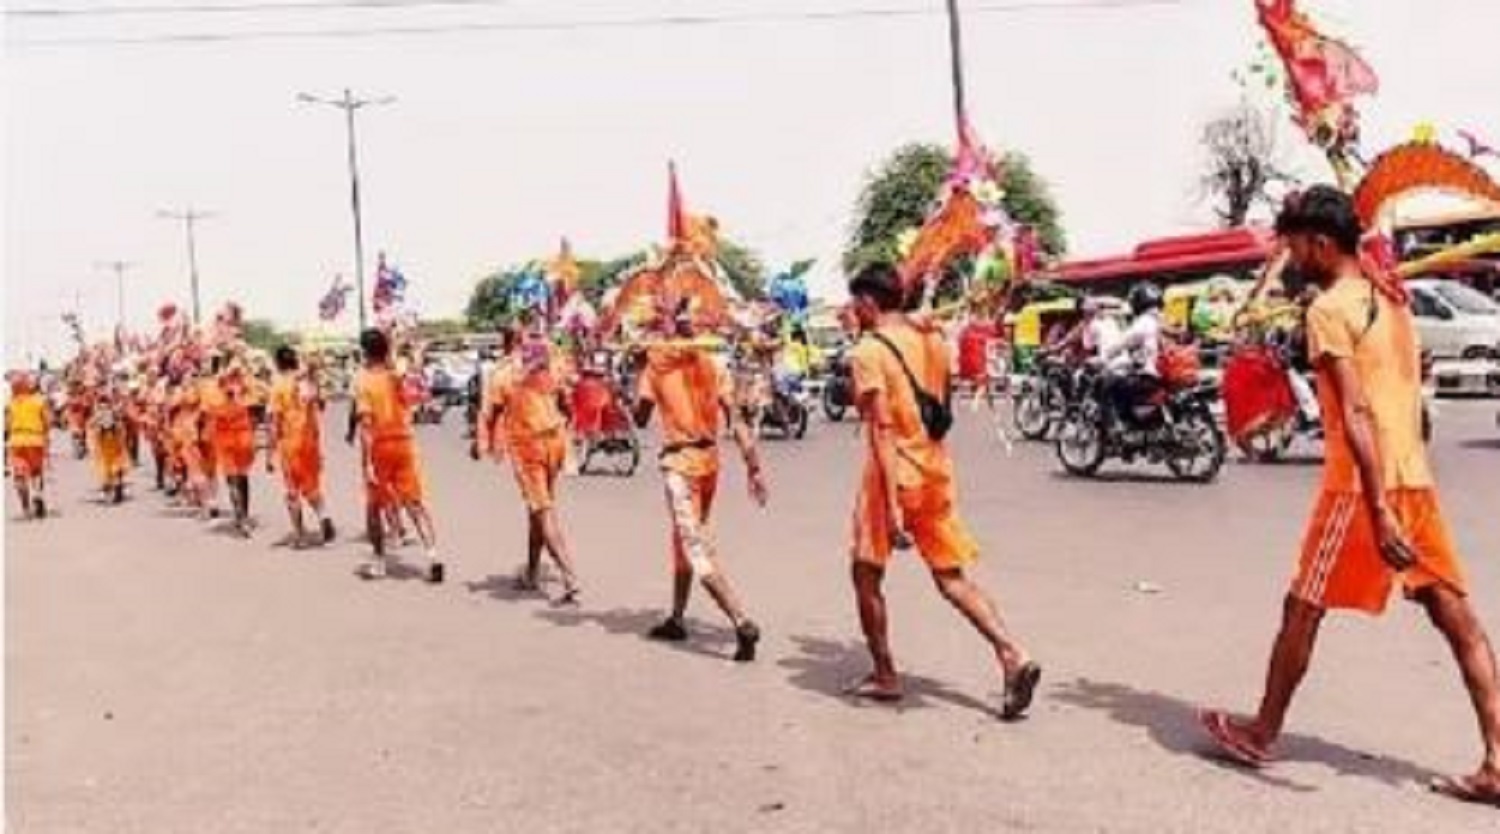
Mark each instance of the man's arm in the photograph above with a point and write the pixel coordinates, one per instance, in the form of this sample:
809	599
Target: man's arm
1359	423
748	450
875	411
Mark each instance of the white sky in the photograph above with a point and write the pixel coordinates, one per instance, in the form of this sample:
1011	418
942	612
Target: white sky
501	142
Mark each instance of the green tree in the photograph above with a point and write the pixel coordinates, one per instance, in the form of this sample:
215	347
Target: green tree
489	301
899	193
264	334
744	269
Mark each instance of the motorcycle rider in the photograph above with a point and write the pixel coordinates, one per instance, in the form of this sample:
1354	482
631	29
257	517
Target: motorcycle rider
1130	363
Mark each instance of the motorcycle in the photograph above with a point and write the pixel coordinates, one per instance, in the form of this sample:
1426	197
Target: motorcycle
788	409
1173	426
1042	398
838	387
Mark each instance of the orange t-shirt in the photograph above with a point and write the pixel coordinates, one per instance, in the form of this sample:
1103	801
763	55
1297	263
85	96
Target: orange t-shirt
689	390
921	462
528	402
296	408
227	406
1353	320
382	405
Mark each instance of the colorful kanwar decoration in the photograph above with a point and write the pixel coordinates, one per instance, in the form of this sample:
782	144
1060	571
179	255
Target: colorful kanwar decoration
390	292
684	279
333	302
1323	77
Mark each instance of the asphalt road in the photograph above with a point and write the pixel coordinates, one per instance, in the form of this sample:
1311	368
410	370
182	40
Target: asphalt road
162	677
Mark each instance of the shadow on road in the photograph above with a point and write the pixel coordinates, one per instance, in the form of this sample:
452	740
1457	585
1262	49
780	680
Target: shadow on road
703	639
1490	444
828	667
503	587
1173	724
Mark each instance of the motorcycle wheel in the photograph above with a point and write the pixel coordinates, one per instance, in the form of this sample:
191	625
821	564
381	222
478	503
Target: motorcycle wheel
1080	441
832	408
798	419
1201	448
632	457
1030	414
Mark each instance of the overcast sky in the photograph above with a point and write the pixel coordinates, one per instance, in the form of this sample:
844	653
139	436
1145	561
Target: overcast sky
502	141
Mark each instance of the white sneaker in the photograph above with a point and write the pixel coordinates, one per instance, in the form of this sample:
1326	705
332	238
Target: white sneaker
374	569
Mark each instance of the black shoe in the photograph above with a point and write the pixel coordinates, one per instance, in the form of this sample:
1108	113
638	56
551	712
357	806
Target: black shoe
38	508
671	630
328	532
435	573
119	494
746	636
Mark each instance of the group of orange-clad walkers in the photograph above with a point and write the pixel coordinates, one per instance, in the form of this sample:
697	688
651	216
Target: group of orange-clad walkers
192	402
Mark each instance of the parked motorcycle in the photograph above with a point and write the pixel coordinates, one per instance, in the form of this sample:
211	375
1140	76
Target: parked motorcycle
1175	427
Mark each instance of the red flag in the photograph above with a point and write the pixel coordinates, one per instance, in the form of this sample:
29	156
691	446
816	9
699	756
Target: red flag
1322	71
677	226
971	162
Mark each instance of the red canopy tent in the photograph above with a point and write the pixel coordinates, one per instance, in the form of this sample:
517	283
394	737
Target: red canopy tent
1173	260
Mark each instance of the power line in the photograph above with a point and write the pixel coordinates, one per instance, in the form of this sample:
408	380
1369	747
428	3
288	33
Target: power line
658	21
237	8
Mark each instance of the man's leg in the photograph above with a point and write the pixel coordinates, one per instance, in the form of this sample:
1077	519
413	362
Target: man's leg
1290	656
294	510
551	529
869	595
963	594
427	532
1452	614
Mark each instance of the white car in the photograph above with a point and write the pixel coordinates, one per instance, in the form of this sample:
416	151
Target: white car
1454	320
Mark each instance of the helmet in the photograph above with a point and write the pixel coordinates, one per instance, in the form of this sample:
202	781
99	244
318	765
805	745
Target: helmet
1144	297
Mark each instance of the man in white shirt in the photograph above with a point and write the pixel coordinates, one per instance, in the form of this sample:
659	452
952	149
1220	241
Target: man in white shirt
1130	363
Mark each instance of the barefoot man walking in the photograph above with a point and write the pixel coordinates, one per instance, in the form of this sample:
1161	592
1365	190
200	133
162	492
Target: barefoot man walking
908	495
1377	521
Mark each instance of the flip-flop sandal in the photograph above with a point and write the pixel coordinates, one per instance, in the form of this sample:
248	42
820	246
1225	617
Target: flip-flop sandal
1218	727
1466	789
569	599
866	689
1019	692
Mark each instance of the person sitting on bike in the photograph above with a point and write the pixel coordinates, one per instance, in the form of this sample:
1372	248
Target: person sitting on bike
795	362
1130	369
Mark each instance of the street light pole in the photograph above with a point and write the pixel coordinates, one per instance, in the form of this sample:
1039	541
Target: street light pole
956	56
118	267
189	218
349	104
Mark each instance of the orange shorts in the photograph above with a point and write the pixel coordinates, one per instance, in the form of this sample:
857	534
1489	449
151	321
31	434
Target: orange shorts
27	461
690	499
537	462
302	473
931	518
1341	566
398	476
235	454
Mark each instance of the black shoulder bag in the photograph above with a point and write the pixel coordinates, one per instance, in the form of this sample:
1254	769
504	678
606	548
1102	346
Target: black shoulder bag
936	414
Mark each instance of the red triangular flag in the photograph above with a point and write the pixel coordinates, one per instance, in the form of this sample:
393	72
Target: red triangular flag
677	226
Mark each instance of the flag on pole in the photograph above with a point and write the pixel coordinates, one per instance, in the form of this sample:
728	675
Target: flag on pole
332	304
390	288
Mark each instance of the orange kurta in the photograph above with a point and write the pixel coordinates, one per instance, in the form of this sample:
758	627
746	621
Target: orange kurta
1340	564
924	479
532	430
296	410
231	431
385	415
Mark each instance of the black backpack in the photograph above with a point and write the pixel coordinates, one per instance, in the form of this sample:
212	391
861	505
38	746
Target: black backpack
936	414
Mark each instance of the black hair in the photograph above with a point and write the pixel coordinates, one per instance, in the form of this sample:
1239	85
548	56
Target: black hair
286	358
374	344
880	284
1321	210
